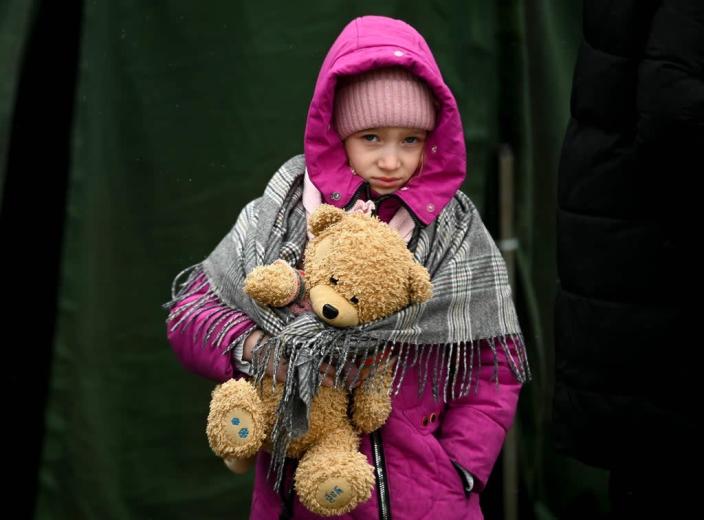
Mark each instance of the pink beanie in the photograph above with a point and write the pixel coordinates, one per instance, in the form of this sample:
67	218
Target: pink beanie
390	96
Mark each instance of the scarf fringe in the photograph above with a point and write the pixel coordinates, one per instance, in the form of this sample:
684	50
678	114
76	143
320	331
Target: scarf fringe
451	374
185	315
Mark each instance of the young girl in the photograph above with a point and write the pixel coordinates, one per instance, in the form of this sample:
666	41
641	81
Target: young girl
383	134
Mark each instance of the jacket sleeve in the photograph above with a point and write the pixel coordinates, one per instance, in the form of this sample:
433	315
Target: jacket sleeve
474	427
194	328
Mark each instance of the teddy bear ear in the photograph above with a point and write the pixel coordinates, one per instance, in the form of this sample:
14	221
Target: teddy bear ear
420	287
325	216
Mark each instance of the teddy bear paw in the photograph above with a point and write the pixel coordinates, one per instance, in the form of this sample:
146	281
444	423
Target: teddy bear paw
239	427
277	284
371	418
336	487
235	422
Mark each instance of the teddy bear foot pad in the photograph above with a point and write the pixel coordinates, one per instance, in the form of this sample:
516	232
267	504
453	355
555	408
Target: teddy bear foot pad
336	487
334	492
239	427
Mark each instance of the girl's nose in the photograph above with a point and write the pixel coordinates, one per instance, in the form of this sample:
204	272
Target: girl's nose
389	161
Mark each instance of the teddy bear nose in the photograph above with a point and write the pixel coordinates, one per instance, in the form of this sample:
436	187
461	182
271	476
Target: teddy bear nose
329	311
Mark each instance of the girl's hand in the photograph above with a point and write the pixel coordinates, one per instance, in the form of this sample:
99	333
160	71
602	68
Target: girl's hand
329	372
326	369
279	375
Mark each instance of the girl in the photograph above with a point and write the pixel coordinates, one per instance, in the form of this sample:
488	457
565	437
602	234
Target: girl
384	134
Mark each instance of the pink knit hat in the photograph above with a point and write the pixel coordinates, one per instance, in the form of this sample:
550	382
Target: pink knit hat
390	96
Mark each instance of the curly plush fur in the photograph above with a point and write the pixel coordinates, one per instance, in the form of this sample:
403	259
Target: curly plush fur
357	269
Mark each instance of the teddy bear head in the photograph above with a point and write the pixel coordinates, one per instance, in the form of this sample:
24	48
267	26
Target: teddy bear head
358	269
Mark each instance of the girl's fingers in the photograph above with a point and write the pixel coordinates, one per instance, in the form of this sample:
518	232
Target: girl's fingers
326	368
364	372
281	372
351	372
279	375
328	371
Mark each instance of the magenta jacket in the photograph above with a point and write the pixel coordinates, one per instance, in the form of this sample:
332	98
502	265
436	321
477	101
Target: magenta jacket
422	452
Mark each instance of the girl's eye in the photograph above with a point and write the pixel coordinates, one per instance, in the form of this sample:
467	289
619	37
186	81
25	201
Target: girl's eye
368	135
412	137
354	299
333	280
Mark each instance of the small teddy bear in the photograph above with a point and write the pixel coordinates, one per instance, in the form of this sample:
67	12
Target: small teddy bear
357	270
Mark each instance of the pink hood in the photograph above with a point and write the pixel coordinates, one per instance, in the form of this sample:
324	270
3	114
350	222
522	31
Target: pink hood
371	42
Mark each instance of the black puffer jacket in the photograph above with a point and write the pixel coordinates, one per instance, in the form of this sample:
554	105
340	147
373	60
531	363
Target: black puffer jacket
627	342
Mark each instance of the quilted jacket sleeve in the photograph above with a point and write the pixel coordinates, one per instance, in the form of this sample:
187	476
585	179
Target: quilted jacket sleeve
194	328
474	427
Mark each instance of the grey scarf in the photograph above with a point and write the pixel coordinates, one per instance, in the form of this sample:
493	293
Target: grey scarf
471	301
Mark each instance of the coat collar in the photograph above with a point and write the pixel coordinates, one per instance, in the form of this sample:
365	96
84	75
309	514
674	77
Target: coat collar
401	221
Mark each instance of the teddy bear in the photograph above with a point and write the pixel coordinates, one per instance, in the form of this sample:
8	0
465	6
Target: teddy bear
357	269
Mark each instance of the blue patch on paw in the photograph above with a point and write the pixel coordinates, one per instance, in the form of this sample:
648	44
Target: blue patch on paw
244	432
235	420
332	495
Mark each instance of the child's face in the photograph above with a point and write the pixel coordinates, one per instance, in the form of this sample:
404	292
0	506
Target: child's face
389	152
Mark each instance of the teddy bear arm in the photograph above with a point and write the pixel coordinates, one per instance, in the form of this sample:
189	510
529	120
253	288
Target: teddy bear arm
371	407
276	285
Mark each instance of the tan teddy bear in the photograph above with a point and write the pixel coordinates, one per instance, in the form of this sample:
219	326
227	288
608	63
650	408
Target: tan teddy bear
357	269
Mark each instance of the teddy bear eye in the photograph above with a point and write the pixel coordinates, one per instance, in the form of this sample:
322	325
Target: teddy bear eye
333	280
354	299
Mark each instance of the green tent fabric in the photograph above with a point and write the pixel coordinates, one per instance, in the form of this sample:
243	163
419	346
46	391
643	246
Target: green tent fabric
549	37
182	112
15	17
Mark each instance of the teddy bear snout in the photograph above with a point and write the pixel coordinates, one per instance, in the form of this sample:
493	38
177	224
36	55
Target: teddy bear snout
329	311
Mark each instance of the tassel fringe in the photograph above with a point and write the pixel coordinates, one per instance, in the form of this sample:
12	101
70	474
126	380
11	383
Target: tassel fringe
453	364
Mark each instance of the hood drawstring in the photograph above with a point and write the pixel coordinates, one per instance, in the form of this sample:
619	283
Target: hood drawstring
378	200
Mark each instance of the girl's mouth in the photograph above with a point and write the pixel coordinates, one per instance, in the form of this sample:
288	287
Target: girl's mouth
386	180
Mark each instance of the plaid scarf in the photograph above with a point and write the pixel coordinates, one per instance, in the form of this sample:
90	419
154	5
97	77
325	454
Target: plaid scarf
471	301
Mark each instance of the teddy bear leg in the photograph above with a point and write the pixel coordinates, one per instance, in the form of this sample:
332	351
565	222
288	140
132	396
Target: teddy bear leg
333	477
371	404
236	422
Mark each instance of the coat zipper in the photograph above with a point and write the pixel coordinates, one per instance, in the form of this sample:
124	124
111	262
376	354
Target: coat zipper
382	484
287	495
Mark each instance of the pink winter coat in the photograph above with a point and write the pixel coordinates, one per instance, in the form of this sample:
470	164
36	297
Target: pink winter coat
422	449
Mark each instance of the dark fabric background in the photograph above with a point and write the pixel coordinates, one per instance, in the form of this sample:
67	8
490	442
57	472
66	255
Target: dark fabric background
132	133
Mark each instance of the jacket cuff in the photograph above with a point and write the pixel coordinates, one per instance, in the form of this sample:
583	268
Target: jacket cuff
466	477
238	351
